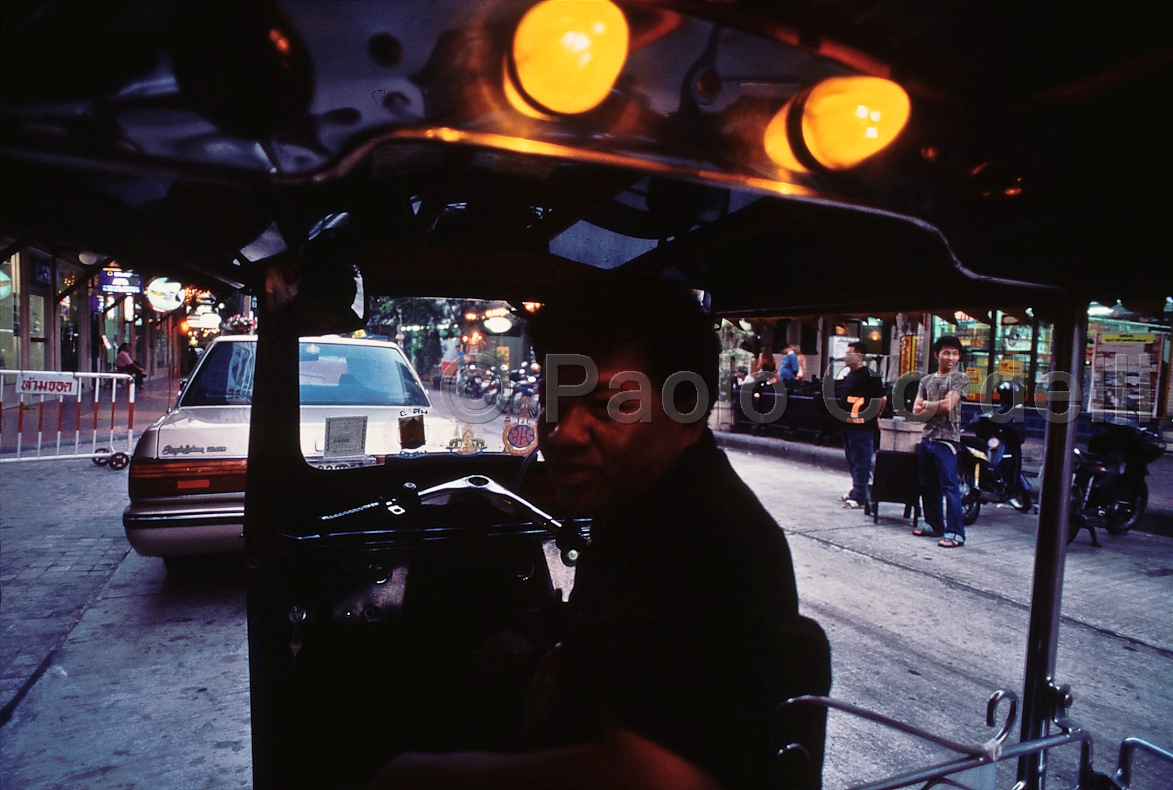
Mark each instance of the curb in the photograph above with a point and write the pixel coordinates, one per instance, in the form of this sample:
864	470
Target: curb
825	457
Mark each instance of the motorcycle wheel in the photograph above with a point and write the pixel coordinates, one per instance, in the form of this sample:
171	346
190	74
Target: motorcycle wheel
1020	501
1140	501
1075	517
971	499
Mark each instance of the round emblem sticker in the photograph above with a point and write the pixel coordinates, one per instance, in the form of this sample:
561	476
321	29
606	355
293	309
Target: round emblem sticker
519	437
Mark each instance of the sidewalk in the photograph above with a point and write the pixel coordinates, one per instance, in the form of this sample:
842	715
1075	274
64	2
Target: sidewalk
1158	518
152	400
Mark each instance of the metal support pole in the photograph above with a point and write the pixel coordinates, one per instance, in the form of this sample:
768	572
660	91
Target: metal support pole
1040	697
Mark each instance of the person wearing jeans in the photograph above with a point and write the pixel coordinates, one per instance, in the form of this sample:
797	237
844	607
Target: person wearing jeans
857	392
938	403
939	491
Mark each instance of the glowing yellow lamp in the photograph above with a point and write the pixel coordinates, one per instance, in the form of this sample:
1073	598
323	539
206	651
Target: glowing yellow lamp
567	55
777	142
844	120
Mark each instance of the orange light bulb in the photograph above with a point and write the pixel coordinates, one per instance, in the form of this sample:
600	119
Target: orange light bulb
567	55
844	121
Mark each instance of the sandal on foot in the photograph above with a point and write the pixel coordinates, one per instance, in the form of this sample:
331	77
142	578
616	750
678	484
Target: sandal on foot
949	543
927	533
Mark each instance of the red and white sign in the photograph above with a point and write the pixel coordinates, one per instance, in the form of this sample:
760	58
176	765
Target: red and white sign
39	382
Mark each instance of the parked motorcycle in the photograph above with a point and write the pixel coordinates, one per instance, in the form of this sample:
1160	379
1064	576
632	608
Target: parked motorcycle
524	400
1108	486
478	382
989	465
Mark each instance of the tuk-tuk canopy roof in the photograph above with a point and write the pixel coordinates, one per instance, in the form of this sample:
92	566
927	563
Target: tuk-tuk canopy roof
1032	156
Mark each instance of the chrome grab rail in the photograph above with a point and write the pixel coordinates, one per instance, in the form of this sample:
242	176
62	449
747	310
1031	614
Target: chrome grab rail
1123	778
972	755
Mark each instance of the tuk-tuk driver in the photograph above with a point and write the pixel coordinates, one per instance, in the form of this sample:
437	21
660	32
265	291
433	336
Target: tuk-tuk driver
683	632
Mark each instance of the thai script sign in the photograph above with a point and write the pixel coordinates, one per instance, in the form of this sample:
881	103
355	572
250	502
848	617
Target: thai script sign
37	382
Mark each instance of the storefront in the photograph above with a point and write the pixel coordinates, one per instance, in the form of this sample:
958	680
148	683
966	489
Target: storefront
1000	345
72	313
1126	377
44	319
1127	363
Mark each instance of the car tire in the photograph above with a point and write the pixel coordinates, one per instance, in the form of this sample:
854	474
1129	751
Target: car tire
179	565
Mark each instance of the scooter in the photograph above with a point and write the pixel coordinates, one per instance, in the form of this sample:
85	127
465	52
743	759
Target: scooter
989	465
1108	486
478	382
524	399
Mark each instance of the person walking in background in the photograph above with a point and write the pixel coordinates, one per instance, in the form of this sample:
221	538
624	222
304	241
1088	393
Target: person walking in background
938	403
858	390
124	363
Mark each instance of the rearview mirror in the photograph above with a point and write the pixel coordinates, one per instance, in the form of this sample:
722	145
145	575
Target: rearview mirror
318	297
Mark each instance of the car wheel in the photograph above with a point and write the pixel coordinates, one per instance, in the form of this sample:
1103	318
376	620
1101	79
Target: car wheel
181	565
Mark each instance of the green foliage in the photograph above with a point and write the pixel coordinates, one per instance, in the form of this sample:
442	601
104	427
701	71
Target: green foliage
733	356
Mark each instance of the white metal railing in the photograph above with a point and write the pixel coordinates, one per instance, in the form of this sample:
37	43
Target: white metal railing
51	415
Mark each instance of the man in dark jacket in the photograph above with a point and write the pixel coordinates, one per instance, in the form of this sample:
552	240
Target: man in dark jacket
683	632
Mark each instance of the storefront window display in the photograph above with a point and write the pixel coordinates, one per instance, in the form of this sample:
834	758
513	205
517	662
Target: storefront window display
1126	361
1127	355
870	330
1042	362
10	313
69	317
37	330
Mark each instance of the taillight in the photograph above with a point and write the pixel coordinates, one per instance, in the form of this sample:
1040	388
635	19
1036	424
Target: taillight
177	478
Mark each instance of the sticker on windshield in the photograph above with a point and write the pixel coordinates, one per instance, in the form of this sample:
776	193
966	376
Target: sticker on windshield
411	431
520	437
345	437
467	443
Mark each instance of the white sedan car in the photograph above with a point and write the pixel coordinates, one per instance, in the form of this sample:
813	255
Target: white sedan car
361	401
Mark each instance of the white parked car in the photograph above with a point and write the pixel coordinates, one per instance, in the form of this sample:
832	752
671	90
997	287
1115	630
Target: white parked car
361	400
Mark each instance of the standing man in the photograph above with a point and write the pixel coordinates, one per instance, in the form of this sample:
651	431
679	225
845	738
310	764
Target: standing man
938	403
793	368
683	633
859	392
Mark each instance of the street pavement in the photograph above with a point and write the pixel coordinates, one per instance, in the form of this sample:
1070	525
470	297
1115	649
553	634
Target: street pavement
115	674
1158	516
